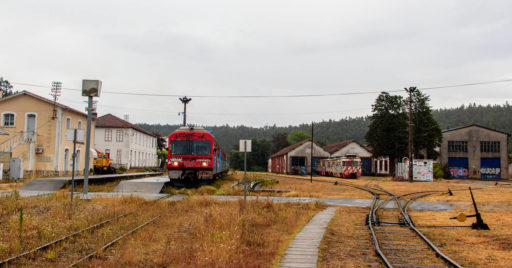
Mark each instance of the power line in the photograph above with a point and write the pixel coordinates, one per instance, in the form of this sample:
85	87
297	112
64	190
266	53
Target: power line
280	96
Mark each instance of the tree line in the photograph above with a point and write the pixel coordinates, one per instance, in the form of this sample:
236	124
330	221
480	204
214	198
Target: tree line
268	140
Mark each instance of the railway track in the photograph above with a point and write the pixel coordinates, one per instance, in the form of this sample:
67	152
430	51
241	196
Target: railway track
73	249
397	242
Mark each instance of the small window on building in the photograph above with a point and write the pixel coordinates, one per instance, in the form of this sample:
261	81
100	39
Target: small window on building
119	135
108	134
68	123
8	120
118	156
490	146
458	146
79	124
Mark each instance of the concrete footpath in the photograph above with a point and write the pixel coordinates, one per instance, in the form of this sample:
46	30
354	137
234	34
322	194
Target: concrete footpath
303	251
348	202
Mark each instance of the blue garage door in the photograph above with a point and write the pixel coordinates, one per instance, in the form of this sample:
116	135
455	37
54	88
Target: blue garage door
458	167
490	168
366	166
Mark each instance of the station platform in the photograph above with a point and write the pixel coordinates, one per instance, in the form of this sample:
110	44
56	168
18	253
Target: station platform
153	185
54	184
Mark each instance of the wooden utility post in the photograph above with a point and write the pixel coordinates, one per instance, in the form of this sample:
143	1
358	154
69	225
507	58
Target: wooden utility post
311	155
410	90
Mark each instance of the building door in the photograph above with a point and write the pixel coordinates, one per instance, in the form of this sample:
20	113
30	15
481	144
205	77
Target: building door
77	162
66	160
298	165
366	166
490	168
458	167
31	126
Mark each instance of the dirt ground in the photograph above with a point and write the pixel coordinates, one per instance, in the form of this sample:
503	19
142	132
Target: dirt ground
488	194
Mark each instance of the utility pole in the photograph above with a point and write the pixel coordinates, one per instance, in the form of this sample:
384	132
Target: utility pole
410	90
311	156
185	100
55	93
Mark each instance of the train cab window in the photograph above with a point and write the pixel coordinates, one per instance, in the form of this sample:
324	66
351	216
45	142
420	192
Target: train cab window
188	147
201	147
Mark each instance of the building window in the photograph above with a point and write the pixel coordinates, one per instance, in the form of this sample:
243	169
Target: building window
79	124
119	135
458	146
490	146
68	123
118	156
108	134
8	120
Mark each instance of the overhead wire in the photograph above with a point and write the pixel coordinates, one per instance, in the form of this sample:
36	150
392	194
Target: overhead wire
278	96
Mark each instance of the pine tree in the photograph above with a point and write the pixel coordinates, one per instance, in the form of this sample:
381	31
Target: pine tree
387	132
427	134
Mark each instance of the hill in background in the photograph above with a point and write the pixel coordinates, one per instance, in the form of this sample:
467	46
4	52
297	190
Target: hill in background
497	117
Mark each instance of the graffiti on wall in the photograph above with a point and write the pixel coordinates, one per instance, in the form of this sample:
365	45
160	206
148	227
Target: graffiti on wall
490	173
458	172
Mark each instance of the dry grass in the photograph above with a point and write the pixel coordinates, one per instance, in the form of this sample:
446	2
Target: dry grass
93	187
476	247
219	187
7	185
47	218
495	195
345	238
201	232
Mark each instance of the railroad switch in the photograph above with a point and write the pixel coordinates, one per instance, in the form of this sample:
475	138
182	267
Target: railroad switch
479	224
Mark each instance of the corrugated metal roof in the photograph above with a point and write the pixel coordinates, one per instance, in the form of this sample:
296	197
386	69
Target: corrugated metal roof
475	125
112	121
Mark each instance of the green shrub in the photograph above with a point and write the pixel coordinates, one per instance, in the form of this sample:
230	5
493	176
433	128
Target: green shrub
438	171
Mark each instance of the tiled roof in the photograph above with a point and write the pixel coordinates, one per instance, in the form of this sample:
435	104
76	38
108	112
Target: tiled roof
332	148
24	92
112	121
289	148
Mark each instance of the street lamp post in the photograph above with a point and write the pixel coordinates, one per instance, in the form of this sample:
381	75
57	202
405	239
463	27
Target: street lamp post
90	89
185	101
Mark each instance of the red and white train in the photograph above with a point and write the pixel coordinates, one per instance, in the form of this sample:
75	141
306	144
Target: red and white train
345	167
194	155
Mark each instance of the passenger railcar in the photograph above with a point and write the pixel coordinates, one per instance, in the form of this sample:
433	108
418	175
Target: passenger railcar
195	155
345	167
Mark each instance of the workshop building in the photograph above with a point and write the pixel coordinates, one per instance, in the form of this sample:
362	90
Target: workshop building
475	152
296	158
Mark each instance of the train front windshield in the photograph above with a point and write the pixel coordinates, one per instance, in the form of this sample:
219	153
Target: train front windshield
190	147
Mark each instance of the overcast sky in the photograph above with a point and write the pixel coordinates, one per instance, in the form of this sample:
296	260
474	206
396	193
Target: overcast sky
257	48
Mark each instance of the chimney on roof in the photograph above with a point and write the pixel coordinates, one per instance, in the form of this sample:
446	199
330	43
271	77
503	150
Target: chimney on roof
126	117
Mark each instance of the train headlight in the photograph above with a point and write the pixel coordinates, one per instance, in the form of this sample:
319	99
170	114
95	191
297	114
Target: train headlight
175	163
205	163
